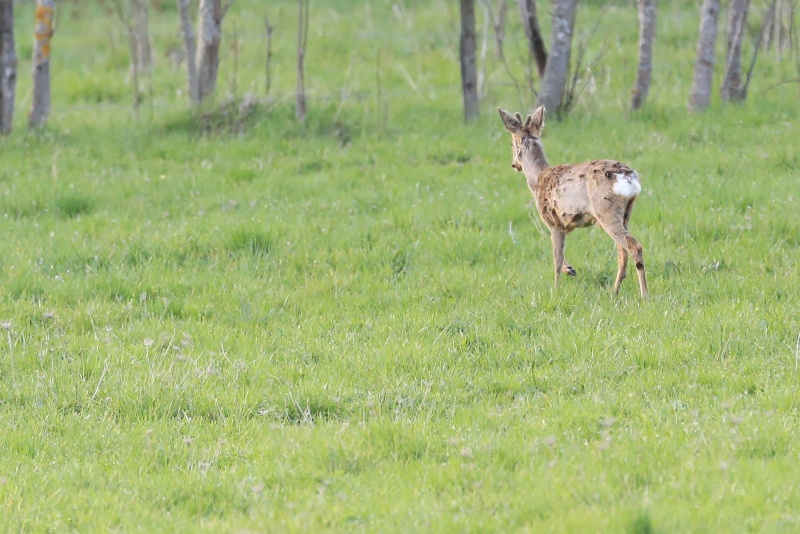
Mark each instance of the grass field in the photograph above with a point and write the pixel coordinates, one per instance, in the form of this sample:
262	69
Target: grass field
234	322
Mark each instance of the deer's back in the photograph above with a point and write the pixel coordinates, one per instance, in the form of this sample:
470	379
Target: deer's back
568	196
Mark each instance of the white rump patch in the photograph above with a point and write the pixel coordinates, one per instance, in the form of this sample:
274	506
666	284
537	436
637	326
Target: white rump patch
627	185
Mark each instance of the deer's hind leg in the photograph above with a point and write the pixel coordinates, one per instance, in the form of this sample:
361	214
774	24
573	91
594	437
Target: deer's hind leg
622	252
622	260
618	231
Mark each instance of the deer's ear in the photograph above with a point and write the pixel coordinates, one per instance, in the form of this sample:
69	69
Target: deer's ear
511	122
537	119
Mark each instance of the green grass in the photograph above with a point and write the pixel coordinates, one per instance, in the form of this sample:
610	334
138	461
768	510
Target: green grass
229	321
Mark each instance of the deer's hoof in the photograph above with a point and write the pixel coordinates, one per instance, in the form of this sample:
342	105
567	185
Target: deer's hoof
569	270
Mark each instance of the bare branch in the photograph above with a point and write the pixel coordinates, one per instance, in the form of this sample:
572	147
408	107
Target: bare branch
228	4
770	13
572	93
784	82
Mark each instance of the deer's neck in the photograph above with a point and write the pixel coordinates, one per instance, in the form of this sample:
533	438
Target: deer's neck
533	163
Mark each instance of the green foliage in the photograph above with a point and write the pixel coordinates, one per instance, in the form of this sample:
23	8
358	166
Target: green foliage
223	319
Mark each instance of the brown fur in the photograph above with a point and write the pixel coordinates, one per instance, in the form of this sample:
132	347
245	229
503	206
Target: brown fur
576	196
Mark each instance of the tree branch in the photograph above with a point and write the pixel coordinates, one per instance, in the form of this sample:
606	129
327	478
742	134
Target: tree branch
225	10
770	13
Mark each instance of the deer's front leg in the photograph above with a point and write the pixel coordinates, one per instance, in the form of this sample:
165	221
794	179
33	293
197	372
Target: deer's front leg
558	237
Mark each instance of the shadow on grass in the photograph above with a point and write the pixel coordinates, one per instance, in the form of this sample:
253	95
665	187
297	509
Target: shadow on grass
255	242
233	117
73	205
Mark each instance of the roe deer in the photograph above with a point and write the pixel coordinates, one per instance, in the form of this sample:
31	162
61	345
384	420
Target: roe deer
576	196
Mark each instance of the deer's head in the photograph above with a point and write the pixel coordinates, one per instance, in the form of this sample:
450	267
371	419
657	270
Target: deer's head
524	136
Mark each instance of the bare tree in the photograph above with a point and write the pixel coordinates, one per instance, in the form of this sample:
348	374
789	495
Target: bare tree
202	49
759	42
469	72
499	29
125	11
580	75
647	30
43	32
499	25
700	97
555	75
732	88
302	43
781	30
209	32
484	49
141	36
530	21
190	44
8	66
268	64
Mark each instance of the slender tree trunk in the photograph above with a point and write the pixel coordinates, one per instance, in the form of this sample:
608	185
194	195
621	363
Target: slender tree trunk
500	26
302	42
732	88
144	54
189	46
647	30
268	64
759	43
134	49
781	29
771	25
530	21
209	36
43	32
484	49
8	66
469	72
700	97
554	80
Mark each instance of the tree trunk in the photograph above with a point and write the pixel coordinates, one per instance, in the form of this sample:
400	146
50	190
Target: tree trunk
43	32
268	64
144	54
530	21
700	97
554	80
8	66
302	42
647	30
133	46
500	27
189	46
732	88
209	36
469	72
484	49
